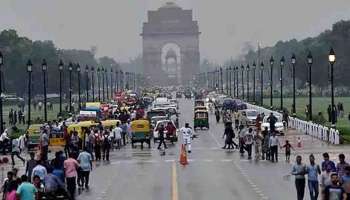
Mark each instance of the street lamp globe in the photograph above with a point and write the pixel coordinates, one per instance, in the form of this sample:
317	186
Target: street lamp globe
242	67
60	65
78	68
92	69
87	69
282	61
309	58
254	65
70	67
248	67
44	65
272	60
29	66
293	59
331	56
262	65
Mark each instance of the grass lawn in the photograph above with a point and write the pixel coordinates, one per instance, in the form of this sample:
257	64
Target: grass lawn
319	104
51	114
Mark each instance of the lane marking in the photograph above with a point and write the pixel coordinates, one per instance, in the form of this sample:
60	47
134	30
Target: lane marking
174	191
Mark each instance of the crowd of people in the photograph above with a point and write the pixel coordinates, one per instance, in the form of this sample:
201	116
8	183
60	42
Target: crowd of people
329	181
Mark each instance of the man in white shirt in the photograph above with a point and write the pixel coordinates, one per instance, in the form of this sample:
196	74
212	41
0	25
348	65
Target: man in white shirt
187	136
117	135
3	140
274	143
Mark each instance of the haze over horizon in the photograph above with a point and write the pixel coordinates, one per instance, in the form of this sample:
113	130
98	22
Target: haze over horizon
228	27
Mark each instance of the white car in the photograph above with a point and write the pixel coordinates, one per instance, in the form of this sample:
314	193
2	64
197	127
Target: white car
251	115
172	138
279	126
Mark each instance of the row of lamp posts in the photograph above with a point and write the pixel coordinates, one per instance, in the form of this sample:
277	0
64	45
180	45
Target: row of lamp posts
214	81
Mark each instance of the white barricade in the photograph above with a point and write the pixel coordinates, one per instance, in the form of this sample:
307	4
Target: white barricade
309	128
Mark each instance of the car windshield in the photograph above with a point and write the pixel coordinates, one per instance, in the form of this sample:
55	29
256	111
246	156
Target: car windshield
252	113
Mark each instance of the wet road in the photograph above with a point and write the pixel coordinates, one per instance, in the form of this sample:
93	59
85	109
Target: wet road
212	173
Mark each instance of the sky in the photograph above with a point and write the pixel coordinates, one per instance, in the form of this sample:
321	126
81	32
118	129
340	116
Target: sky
114	26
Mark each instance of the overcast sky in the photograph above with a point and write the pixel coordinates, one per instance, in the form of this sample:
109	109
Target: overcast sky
114	25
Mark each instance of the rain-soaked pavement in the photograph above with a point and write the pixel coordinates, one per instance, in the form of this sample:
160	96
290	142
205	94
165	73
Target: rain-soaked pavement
212	173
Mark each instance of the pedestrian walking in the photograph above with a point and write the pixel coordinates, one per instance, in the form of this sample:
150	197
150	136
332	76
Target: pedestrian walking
341	165
258	140
228	135
288	148
44	144
6	187
313	170
265	144
97	145
273	144
187	135
241	133
236	116
299	171
272	121
248	141
106	146
217	115
31	163
161	137
334	191
325	179
117	134
4	139
71	172
26	190
327	164
39	170
16	152
85	161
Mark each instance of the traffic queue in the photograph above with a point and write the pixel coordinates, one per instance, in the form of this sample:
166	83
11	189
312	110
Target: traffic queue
90	135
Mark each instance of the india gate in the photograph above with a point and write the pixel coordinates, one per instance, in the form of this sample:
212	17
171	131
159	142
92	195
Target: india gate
170	46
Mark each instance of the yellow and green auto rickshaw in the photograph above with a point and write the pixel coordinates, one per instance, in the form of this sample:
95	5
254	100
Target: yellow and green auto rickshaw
201	119
34	135
141	132
200	108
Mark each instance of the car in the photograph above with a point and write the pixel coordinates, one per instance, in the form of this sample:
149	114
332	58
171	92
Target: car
156	119
279	126
251	115
172	138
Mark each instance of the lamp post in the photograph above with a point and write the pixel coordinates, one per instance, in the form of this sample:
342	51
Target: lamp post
248	70
117	79
293	60
70	68
234	81
87	82
79	91
242	68
44	68
60	68
93	82
103	84
227	89
262	84
99	83
331	59
112	87
134	76
254	91
281	79
237	80
221	81
271	81
107	88
121	80
309	62
230	80
29	70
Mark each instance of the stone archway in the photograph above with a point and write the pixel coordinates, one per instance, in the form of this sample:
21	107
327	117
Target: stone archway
170	26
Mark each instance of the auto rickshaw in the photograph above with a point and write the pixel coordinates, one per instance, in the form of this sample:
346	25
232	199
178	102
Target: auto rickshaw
200	108
141	132
81	127
34	135
112	123
199	103
201	119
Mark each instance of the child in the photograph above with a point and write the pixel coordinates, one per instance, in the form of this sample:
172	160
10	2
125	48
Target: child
288	148
299	142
